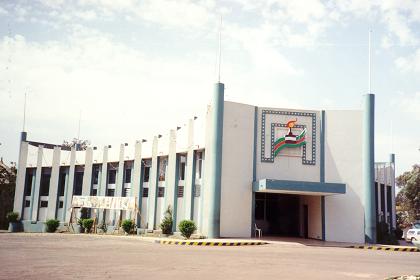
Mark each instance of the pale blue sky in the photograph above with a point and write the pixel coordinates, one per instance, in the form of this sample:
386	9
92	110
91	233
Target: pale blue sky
139	68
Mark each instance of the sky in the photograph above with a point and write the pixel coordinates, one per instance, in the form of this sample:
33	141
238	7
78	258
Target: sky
133	69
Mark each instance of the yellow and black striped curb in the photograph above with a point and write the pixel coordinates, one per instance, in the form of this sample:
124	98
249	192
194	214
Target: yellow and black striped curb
384	248
204	243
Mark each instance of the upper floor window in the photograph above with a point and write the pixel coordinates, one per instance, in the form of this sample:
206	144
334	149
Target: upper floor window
182	167
45	181
199	161
163	166
112	174
128	175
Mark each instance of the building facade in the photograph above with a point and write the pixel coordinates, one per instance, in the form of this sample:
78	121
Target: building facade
289	172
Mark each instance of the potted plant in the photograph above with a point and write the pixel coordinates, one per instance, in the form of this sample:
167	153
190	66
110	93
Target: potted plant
187	228
127	226
166	225
52	225
79	227
87	225
13	219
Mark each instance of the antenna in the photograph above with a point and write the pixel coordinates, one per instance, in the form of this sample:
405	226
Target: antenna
78	129
220	46
370	62
24	112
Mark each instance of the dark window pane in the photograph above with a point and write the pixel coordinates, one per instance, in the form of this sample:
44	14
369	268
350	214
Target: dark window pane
78	183
94	192
28	181
112	174
60	204
95	176
145	192
45	184
161	192
182	171
110	192
27	203
146	174
44	204
128	175
61	184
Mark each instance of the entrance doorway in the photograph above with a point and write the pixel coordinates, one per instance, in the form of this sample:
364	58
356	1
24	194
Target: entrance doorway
278	214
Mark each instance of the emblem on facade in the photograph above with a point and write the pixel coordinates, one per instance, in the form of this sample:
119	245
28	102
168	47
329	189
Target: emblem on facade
290	140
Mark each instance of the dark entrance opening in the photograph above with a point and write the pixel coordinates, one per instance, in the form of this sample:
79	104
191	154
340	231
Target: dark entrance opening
277	214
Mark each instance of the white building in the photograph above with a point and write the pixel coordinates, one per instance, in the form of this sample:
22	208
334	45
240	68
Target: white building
289	172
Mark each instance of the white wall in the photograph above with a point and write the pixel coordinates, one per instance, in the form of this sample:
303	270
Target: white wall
288	163
343	163
237	170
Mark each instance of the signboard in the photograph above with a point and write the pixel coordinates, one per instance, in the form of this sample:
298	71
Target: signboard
104	202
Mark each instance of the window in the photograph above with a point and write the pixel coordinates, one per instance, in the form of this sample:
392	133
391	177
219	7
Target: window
145	192
44	204
180	191
110	192
112	174
28	181
128	175
161	192
94	192
182	166
199	165
78	183
146	173
61	184
162	169
127	192
45	182
197	191
27	203
60	204
96	175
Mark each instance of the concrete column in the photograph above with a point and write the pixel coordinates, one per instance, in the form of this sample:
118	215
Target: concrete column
214	162
385	190
153	185
322	172
104	173
53	193
120	174
393	212
68	192
35	193
21	175
87	175
190	174
171	197
369	168
136	180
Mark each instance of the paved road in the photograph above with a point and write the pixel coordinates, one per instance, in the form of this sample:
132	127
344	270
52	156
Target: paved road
65	256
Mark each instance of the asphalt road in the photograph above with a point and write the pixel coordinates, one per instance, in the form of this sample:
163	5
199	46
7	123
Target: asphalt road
65	256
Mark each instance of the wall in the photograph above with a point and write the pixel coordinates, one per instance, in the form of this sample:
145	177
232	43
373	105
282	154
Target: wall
237	170
288	164
343	163
314	215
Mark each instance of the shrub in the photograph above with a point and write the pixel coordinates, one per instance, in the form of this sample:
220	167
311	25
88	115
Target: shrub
187	228
80	223
127	225
52	225
87	225
12	217
166	225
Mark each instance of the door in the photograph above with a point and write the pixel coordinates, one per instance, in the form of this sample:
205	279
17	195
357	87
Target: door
305	221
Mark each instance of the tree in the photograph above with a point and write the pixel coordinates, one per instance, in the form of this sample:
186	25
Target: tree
80	145
7	192
408	199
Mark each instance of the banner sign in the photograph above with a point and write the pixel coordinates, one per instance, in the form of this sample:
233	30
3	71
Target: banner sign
104	202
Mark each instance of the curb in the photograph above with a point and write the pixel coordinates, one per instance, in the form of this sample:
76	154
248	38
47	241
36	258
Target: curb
382	248
204	243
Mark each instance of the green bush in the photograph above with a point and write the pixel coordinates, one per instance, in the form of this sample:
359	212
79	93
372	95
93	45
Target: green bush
127	225
187	228
166	225
12	217
80	223
87	224
52	225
